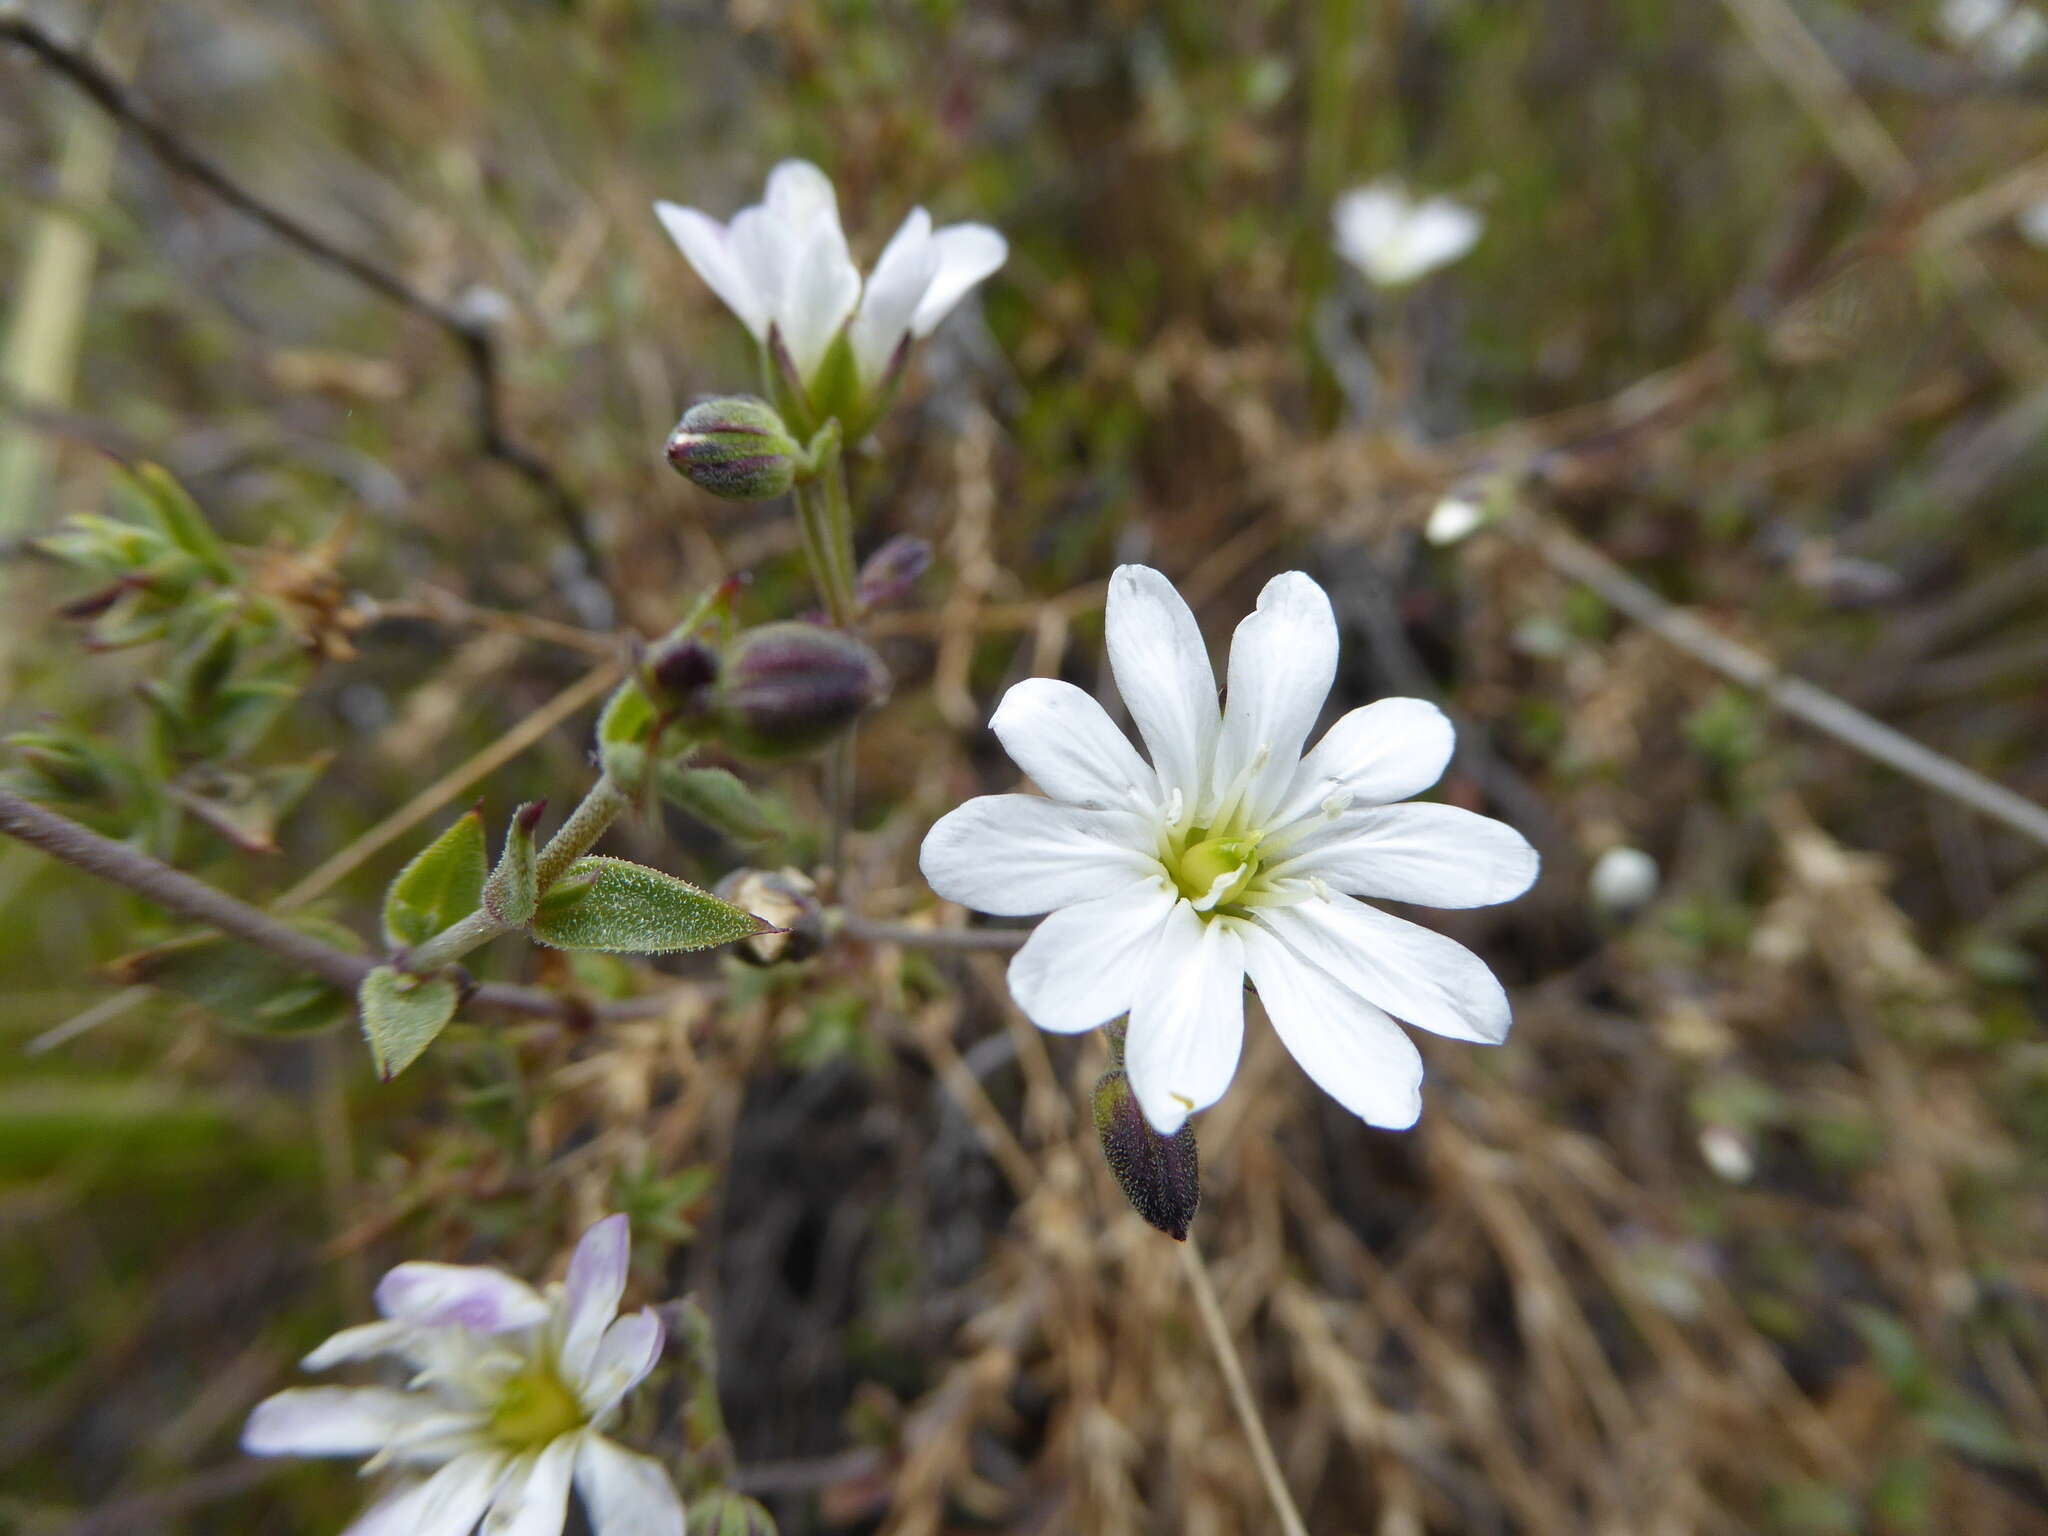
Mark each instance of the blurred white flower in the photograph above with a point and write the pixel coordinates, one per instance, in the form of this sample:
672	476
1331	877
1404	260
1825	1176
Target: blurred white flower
1234	855
1623	880
1728	1154
2033	224
1452	519
2002	35
1394	239
503	1410
783	266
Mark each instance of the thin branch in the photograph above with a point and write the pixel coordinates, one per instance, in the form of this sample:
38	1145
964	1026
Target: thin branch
1572	557
1217	1331
913	937
176	891
470	332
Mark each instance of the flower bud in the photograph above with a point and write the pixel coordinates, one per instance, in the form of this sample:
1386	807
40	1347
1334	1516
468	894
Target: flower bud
676	670
1623	880
787	689
1159	1175
729	1514
787	898
890	572
736	447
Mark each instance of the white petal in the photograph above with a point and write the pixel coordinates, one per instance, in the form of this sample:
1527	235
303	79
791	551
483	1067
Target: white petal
447	1504
1079	968
1162	671
1018	855
902	274
1187	1019
824	286
703	241
1069	745
624	1357
331	1421
1433	855
802	197
1438	233
1416	974
1386	751
1283	659
534	1500
1368	220
968	255
1352	1050
475	1297
766	250
624	1494
362	1342
590	1299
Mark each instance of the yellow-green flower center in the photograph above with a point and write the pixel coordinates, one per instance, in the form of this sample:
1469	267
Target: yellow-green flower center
535	1408
1207	860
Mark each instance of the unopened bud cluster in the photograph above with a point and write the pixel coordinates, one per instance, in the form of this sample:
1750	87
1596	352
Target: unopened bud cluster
780	690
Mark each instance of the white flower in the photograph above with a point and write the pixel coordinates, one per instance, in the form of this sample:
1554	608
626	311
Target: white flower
1623	879
1394	239
2002	35
1452	519
502	1412
1234	855
783	265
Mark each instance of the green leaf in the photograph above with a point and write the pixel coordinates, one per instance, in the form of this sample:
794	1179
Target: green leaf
179	517
513	891
610	904
717	798
1969	1427
402	1014
442	885
246	989
627	718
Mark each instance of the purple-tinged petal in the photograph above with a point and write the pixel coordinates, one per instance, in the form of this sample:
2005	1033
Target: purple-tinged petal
467	1295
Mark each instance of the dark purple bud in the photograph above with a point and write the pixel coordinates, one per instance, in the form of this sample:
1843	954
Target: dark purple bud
736	447
676	670
787	689
1159	1175
892	571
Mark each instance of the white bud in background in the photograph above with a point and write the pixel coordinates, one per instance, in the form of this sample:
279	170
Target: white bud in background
1452	519
1728	1154
1623	880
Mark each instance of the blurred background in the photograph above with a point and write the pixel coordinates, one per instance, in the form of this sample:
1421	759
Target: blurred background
1741	1232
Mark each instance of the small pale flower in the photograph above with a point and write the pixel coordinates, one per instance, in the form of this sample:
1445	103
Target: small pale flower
783	267
1395	239
1233	855
1452	519
1623	880
501	1415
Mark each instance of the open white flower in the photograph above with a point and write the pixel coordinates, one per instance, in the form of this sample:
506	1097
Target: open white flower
1233	855
502	1413
1395	239
783	266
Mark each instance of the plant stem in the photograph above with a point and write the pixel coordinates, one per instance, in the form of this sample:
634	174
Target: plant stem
1218	1332
586	824
839	529
814	519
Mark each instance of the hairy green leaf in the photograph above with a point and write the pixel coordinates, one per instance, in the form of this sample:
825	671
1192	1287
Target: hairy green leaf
402	1014
611	904
513	891
442	885
246	989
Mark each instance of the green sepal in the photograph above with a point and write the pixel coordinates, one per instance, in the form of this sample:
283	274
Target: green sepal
622	736
442	885
402	1014
720	800
625	908
246	989
513	891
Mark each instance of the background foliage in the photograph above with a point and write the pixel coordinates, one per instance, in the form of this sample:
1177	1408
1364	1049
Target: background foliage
1743	1229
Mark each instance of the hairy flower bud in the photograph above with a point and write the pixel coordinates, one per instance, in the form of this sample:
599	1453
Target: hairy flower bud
729	1514
788	898
676	670
1159	1175
889	574
735	446
787	689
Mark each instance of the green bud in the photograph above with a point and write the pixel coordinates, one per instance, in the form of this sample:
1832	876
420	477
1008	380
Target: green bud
1159	1175
736	447
729	1514
787	689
